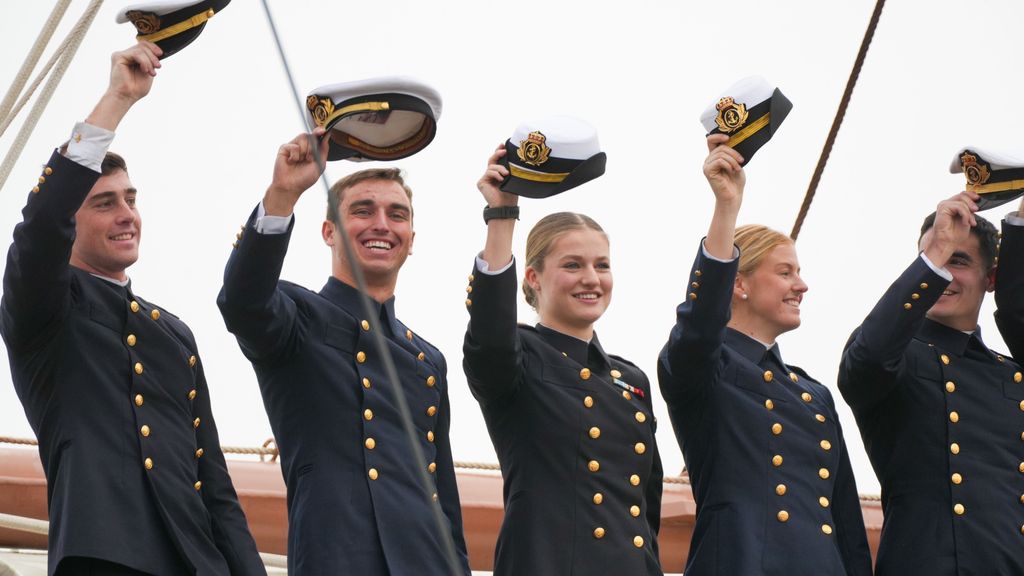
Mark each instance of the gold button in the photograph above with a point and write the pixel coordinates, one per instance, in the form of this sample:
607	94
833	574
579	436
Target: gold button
1021	467
598	498
615	374
155	314
954	448
693	295
794	378
640	417
944	358
372	473
195	423
360	356
471	277
626	395
595	432
776	428
956	478
823	473
432	467
42	180
421	356
1022	404
131	339
825	445
695	285
780	489
368	414
35	189
924	285
199	453
777	460
144	431
640	448
408	334
634	511
959	509
634	480
47	170
192	394
638	541
697	273
768	376
915	296
431	410
907	305
148	463
826	529
588	402
198	484
585	373
370	443
469	289
599	532
1022	498
191	361
819	417
468	302
431	381
806	397
954	417
366	383
593	465
138	367
823	502
950	387
769	404
782	516
430	435
365	325
1016	377
134	306
139	400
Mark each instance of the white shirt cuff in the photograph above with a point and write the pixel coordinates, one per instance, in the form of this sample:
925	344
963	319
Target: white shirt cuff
267	224
1013	220
88	145
735	253
940	271
482	266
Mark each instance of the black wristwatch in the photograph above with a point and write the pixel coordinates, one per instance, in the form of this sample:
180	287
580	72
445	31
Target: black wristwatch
500	213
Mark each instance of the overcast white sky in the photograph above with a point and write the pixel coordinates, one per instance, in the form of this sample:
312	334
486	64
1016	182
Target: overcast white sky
940	75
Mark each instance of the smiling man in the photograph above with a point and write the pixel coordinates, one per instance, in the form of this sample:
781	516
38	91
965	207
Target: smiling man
112	384
941	415
356	504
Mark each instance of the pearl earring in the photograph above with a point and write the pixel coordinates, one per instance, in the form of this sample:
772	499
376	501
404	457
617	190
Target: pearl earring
743	296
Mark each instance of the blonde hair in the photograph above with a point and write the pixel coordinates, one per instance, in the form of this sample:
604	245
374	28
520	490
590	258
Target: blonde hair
755	242
544	234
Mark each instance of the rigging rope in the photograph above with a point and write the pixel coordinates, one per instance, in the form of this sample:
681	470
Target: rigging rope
32	59
838	121
69	48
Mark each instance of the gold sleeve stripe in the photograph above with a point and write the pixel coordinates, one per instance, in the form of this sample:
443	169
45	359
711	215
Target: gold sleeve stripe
178	28
749	131
361	107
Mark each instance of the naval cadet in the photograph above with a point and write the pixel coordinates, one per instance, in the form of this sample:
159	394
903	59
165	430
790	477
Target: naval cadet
572	425
770	472
113	384
942	415
356	504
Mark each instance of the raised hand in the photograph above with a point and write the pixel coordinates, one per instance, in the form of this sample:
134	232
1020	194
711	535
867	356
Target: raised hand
723	170
296	168
131	77
492	178
954	218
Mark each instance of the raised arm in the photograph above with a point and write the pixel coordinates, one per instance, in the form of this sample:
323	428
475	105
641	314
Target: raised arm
491	351
689	361
874	355
255	310
37	277
1010	284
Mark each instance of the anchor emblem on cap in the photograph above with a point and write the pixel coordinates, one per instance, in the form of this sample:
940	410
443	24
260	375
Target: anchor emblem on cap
976	172
533	150
731	115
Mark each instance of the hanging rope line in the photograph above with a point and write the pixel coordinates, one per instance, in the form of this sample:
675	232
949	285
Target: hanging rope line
66	54
838	121
419	459
33	58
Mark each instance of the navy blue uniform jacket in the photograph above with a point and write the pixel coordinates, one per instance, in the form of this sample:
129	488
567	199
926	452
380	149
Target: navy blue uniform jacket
771	477
942	419
574	429
355	502
114	390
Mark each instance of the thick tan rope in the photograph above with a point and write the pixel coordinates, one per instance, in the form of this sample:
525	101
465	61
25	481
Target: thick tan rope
33	58
74	41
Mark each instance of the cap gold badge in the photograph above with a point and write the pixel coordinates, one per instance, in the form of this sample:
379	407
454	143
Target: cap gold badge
144	22
731	116
321	108
976	172
534	150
